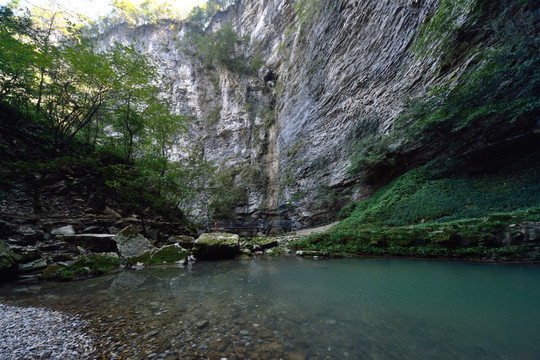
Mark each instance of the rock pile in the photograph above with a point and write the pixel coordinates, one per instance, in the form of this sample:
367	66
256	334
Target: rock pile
30	333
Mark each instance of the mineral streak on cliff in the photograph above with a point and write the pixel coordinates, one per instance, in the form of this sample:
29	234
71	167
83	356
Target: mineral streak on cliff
331	72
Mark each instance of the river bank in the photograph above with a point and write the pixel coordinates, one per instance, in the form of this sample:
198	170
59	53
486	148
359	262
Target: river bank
36	333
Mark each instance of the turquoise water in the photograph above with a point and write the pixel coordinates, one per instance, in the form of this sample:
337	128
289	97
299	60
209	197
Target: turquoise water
308	309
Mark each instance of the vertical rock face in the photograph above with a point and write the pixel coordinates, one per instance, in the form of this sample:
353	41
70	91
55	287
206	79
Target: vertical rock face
332	71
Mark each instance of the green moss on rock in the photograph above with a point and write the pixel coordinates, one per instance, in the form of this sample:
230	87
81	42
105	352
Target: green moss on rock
170	254
88	266
8	260
214	246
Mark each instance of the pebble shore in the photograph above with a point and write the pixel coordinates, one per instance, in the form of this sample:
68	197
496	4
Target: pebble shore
33	333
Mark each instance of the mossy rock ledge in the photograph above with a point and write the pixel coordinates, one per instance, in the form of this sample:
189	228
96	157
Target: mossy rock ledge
216	246
8	261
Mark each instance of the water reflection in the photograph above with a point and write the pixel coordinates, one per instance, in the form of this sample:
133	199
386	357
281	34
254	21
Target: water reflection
306	309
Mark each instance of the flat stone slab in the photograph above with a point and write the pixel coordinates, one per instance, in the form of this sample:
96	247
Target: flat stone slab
93	242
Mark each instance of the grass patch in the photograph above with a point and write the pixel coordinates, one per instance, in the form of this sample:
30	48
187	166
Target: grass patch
481	206
446	190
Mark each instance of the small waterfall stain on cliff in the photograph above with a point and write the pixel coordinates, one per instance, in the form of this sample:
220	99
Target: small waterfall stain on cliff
272	170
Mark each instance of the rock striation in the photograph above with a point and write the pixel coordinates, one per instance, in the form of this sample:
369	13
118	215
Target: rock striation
331	73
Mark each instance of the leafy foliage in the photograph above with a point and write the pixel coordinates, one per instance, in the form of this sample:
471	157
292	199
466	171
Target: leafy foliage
433	193
103	100
501	84
221	48
201	15
225	196
17	57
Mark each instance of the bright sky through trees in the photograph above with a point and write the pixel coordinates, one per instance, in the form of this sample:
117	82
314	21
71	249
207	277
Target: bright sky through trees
96	8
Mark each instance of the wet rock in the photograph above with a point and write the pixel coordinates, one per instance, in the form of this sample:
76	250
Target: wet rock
8	260
27	253
202	324
127	280
64	230
218	344
296	356
57	246
7	228
33	266
268	244
50	272
213	246
183	240
131	243
42	334
169	254
93	242
29	235
110	212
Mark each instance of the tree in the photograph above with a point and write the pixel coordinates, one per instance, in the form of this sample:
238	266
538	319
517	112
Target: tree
134	93
147	12
201	15
220	48
79	82
18	56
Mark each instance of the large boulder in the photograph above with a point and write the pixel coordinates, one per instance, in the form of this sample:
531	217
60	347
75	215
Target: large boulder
215	246
93	242
166	255
8	261
169	254
131	243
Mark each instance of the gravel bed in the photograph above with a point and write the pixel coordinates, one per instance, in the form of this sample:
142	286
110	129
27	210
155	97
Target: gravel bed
32	333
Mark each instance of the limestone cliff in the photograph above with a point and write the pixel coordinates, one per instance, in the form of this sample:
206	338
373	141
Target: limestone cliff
331	71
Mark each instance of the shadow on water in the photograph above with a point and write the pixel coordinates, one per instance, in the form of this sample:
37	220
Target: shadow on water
306	309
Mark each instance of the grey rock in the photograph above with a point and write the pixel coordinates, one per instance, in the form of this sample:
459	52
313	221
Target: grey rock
202	324
33	266
110	212
36	333
92	242
29	235
8	259
64	230
290	128
29	254
169	254
131	243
